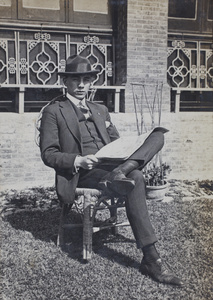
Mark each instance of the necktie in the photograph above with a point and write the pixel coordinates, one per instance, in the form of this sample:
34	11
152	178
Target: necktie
84	109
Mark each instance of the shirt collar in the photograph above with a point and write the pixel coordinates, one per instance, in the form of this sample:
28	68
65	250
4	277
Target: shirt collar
76	101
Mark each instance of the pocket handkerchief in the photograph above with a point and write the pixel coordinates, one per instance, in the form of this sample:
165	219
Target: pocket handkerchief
107	123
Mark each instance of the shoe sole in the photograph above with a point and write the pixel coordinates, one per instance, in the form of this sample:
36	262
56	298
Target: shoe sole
121	187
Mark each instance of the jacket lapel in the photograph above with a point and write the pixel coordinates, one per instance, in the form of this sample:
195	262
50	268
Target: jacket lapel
99	122
71	119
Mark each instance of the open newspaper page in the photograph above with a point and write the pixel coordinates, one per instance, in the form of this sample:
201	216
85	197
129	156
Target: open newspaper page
124	147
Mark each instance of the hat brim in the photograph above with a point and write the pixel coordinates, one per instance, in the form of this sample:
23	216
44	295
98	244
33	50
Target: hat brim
93	72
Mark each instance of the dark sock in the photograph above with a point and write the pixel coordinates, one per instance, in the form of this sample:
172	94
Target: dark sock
127	166
150	253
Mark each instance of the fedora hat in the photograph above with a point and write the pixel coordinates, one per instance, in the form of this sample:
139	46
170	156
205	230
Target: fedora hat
78	65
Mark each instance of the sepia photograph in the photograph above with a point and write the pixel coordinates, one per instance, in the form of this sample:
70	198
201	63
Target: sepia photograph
106	161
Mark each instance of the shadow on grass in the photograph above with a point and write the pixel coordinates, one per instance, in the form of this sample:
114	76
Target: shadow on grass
43	225
102	247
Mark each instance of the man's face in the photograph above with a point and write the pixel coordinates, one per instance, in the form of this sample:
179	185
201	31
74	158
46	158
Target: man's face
78	85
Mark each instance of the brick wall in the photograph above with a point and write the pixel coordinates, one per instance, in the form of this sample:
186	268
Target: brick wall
188	144
147	45
188	147
20	163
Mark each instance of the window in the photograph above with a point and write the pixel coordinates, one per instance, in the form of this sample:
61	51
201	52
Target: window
183	9
92	12
190	16
39	10
95	6
8	9
40	4
6	3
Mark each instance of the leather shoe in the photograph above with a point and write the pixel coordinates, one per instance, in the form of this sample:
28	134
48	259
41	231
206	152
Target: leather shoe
157	271
117	182
102	185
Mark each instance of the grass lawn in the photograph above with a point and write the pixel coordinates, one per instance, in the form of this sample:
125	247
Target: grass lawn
32	267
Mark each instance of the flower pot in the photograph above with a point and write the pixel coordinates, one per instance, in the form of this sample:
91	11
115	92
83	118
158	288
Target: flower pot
156	193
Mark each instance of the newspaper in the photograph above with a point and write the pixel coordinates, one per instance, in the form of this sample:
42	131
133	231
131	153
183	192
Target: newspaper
124	147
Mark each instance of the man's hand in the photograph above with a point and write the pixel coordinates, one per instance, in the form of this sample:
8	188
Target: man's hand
87	162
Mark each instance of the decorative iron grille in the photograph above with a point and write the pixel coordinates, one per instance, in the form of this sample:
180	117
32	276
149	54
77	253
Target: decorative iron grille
190	65
32	59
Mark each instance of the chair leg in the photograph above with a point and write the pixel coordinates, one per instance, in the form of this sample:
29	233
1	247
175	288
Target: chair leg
61	231
87	229
113	214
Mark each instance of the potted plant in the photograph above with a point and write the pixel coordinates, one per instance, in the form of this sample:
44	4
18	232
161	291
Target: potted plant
156	183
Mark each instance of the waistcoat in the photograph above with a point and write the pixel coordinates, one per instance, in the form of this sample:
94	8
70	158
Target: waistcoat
91	139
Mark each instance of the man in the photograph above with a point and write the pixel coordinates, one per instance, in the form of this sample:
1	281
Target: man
72	131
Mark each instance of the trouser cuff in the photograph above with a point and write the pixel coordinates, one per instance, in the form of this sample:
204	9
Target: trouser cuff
146	241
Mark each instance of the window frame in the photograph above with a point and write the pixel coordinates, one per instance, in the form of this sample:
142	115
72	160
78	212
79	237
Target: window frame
199	24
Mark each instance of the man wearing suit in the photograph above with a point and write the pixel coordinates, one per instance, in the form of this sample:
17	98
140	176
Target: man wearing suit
72	131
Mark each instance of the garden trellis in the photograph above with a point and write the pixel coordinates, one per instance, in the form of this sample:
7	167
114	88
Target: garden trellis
147	98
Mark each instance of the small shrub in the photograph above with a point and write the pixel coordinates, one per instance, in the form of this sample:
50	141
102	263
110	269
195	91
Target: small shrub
156	175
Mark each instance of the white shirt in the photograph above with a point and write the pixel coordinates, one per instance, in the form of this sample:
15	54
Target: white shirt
79	103
76	101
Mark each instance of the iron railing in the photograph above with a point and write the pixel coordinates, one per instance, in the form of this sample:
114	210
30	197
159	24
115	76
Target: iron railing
190	66
31	59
